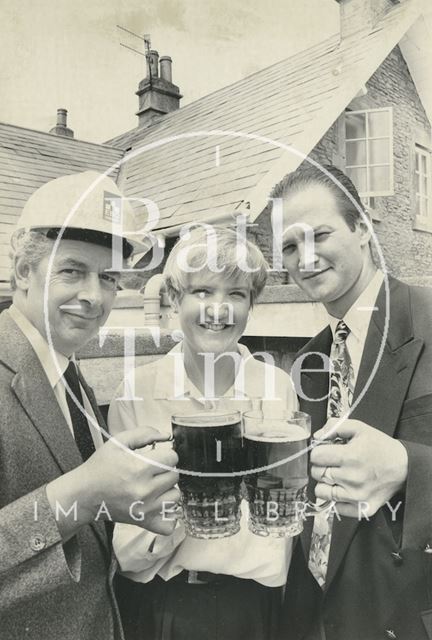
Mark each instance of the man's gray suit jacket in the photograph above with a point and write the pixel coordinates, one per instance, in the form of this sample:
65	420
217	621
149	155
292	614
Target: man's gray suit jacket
48	590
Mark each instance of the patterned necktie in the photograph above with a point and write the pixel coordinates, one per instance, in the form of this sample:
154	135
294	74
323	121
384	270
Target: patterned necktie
341	388
83	438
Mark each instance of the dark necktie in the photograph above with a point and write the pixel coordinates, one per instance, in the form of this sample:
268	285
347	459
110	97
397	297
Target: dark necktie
83	438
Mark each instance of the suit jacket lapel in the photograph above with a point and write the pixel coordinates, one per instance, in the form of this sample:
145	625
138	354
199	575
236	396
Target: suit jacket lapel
313	400
94	405
314	378
32	389
102	529
378	401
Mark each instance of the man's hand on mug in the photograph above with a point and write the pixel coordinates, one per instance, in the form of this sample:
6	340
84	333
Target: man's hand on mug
361	475
129	478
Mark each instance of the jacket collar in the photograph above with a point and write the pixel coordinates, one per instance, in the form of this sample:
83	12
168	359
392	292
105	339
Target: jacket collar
54	363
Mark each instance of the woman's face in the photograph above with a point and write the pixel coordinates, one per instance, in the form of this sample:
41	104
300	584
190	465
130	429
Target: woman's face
213	312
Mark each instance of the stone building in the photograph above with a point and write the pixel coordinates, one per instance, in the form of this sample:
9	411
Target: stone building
360	99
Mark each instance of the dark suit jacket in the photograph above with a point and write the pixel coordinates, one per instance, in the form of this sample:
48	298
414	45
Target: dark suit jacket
48	590
379	580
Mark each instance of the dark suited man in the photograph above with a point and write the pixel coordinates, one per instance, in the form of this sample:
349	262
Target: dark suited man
59	480
365	572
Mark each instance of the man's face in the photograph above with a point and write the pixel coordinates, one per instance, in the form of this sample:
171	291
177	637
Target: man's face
213	312
340	265
80	295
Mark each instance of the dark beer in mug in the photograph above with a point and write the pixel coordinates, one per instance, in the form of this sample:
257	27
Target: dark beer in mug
276	492
209	443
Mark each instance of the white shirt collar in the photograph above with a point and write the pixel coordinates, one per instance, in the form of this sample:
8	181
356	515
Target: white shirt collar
358	316
53	363
165	387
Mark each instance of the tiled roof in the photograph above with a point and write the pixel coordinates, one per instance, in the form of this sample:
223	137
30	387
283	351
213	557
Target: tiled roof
203	170
293	102
30	158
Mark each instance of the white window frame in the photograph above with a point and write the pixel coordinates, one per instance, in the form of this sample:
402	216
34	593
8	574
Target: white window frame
369	193
423	152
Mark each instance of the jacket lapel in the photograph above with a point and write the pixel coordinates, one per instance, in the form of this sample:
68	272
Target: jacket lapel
378	398
33	390
94	405
102	529
313	400
35	395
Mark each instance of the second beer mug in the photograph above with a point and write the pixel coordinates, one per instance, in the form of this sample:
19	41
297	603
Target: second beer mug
277	449
209	447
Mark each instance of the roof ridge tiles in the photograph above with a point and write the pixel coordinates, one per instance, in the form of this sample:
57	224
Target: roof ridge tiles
59	139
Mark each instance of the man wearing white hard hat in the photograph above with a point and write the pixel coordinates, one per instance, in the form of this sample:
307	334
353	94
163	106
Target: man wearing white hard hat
59	480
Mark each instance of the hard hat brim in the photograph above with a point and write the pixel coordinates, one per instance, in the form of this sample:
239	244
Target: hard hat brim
100	238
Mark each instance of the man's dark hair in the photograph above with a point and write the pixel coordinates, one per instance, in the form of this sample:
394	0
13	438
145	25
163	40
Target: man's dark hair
308	174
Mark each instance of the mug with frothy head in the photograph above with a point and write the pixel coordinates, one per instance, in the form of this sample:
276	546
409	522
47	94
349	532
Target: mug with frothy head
276	476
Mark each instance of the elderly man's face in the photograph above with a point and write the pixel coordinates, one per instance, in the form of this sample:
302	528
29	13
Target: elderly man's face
81	293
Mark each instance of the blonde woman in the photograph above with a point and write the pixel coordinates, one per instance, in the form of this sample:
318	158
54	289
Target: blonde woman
238	590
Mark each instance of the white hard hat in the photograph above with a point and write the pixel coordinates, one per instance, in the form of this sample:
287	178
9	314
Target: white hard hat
82	206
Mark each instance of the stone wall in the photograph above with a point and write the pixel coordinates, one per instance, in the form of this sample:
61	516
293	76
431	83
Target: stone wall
407	250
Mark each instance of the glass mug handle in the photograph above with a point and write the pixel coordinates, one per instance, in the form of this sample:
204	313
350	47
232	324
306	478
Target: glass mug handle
313	508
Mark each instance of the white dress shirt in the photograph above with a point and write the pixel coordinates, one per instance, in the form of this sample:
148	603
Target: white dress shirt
244	554
357	319
55	364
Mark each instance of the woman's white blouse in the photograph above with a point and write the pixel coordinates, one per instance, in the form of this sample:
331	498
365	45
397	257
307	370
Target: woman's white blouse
159	390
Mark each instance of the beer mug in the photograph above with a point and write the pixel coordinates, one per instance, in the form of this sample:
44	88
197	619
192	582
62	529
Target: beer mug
276	478
209	447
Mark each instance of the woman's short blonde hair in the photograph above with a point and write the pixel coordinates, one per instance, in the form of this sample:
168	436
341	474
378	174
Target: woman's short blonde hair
238	258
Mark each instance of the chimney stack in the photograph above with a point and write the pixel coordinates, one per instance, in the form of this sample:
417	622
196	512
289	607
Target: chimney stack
156	93
356	15
61	128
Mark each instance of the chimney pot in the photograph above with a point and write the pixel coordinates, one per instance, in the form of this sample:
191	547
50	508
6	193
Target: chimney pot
166	68
61	128
62	117
154	63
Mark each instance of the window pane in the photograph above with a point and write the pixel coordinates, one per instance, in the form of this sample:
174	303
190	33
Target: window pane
379	178
379	151
422	206
356	153
358	176
379	123
423	164
417	161
424	186
355	125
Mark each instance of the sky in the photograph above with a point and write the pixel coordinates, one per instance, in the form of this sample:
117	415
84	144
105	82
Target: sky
67	53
